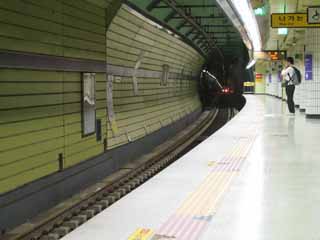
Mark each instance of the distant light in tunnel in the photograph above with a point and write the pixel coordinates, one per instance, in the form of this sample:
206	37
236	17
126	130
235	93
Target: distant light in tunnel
246	13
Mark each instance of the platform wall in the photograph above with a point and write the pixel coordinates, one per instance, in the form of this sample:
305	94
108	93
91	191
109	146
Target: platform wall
49	44
312	87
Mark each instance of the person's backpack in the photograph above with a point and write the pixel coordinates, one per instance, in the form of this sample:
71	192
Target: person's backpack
296	78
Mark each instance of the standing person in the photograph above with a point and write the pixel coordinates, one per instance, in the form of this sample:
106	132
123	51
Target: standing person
287	74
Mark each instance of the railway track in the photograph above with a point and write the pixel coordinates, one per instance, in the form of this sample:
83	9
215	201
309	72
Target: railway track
66	217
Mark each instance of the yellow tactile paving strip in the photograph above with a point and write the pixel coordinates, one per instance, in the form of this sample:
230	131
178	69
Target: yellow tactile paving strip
191	219
197	210
193	216
141	234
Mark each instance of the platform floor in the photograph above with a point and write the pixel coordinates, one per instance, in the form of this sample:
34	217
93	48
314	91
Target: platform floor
257	178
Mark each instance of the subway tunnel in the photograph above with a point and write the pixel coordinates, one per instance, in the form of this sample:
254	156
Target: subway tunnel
91	88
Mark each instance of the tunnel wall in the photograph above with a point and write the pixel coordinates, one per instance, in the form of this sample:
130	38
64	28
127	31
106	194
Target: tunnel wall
40	98
130	39
45	46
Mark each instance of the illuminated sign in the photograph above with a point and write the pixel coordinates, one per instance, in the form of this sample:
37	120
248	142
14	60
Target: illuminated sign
259	75
291	20
248	84
276	55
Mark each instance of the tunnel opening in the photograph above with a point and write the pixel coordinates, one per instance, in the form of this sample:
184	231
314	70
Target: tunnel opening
221	80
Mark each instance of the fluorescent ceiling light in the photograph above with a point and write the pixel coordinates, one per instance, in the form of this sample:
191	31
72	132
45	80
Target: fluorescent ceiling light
282	31
260	11
251	64
246	13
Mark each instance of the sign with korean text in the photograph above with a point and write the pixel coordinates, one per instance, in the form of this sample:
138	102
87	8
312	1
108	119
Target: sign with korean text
308	67
314	15
291	20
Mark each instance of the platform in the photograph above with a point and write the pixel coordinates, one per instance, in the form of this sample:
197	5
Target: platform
257	178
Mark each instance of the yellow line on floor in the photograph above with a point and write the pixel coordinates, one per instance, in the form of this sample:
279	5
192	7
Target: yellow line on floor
141	234
209	187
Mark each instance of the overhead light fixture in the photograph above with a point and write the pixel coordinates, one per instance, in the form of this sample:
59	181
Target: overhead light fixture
282	31
260	11
247	16
251	64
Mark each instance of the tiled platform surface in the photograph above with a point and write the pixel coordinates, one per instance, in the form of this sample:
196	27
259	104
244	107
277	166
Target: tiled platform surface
257	178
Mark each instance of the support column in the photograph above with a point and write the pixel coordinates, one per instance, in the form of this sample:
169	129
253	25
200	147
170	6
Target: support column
312	87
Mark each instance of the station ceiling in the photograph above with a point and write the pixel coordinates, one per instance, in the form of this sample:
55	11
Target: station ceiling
201	22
